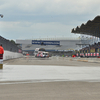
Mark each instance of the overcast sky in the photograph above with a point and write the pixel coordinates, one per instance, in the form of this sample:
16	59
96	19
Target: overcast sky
29	19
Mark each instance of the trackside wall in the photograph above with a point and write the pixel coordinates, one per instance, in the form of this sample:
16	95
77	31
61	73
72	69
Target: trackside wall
10	55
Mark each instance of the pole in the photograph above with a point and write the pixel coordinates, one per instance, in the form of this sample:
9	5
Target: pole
1	56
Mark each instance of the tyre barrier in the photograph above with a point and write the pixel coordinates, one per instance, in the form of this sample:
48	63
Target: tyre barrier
88	54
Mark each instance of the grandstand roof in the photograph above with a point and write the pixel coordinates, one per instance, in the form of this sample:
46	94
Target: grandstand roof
92	27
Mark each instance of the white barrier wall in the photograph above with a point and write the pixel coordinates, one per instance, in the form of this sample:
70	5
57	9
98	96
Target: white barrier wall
11	55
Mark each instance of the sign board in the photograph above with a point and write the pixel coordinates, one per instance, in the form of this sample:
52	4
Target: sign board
44	42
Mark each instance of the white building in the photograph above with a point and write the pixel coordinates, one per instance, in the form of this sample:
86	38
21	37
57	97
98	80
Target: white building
60	45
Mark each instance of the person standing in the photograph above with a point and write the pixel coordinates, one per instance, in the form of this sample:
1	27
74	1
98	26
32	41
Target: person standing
1	56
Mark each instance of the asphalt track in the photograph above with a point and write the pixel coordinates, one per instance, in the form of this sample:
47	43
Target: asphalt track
54	78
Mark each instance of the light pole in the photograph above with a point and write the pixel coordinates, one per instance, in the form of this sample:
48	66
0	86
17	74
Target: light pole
1	15
1	57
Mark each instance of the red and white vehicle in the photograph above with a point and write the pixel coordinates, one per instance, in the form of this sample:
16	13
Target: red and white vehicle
38	51
42	55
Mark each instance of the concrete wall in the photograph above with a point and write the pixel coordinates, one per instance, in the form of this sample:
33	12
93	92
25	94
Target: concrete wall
11	55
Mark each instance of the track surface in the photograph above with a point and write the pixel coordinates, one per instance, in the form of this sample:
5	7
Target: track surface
57	79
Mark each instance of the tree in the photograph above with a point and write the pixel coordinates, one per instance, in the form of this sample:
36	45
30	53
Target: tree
13	41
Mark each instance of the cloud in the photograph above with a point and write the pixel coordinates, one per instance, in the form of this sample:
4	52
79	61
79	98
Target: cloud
27	18
29	29
56	7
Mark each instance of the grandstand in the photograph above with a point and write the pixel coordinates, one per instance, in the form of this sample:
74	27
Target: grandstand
8	45
91	28
65	46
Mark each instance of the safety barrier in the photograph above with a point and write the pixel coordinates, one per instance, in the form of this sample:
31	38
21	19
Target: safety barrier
88	54
11	55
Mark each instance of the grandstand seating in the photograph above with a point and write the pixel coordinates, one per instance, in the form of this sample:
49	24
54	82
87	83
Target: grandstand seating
92	27
8	45
90	51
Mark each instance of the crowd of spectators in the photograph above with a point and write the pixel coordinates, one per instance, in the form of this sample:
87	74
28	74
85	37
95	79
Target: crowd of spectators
91	48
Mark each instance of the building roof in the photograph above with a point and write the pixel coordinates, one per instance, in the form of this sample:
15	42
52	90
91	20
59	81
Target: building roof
92	27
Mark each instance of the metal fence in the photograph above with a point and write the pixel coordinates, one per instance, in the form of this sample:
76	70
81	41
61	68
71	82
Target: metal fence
8	45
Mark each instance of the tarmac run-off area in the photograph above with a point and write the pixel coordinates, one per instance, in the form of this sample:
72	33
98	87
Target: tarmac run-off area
54	78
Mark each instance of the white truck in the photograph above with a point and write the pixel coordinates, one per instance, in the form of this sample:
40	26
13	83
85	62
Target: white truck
38	50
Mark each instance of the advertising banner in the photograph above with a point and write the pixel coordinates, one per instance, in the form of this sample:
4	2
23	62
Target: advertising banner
44	42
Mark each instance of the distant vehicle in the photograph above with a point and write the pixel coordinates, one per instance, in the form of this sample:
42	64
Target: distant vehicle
42	55
38	50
